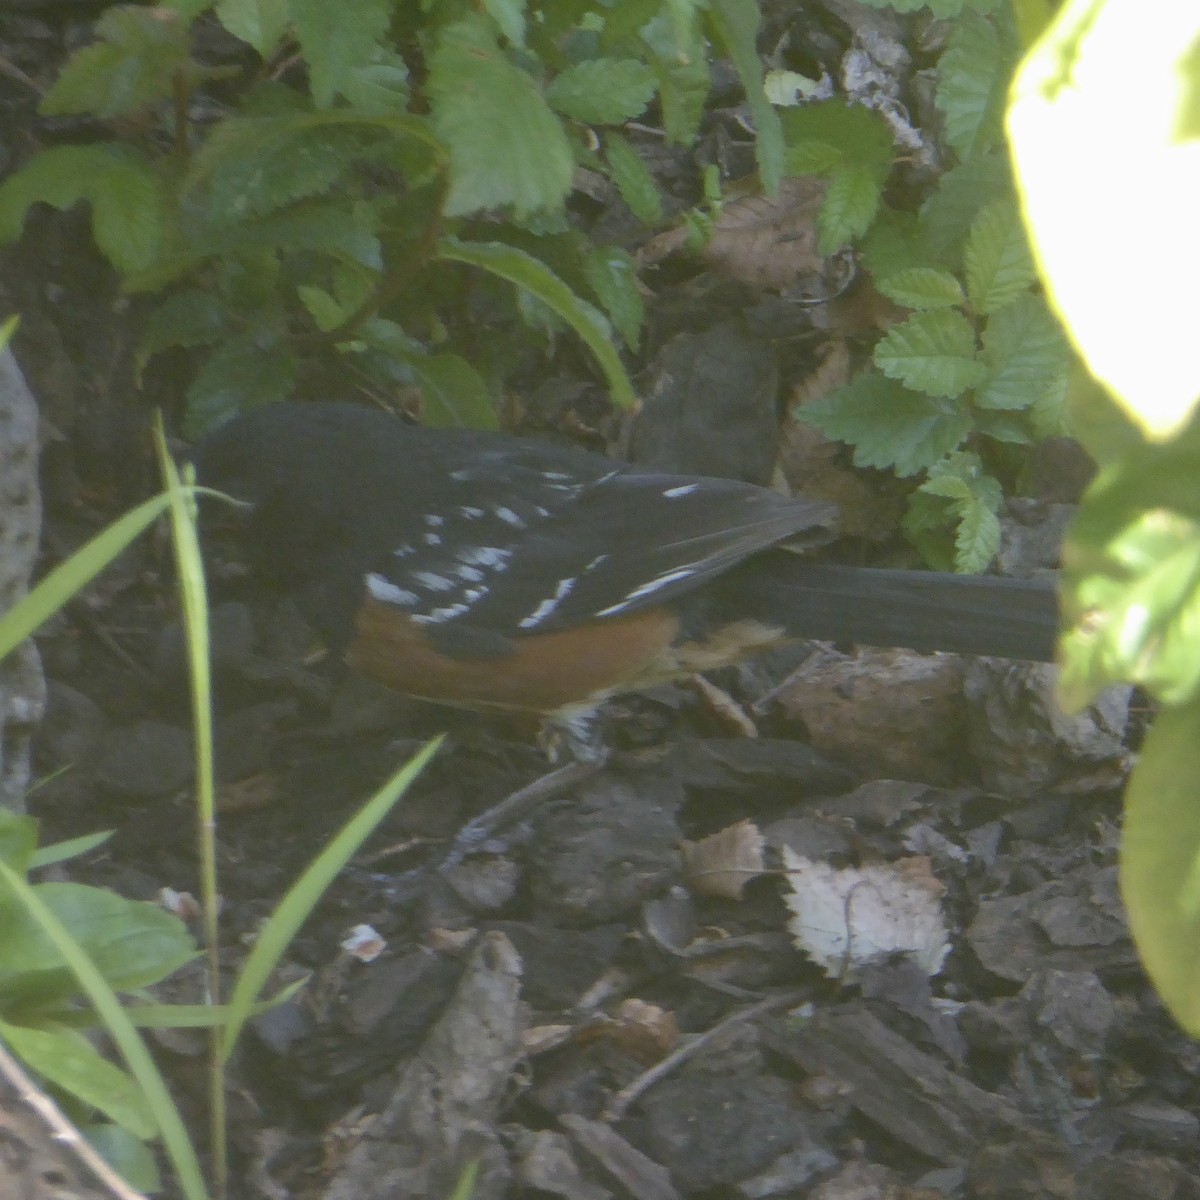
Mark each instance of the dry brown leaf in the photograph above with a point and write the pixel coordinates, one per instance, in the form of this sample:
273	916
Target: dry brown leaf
645	1031
724	862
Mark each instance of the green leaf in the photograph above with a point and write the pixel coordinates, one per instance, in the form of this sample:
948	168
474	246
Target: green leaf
509	15
850	203
69	848
889	425
975	499
260	23
255	165
931	352
337	39
18	840
811	157
380	86
679	56
133	65
1026	356
1132	579
921	287
603	91
133	944
131	1158
241	375
859	134
122	187
973	78
506	145
950	211
190	318
997	263
1160	860
633	179
736	25
536	278
612	274
897	242
68	1060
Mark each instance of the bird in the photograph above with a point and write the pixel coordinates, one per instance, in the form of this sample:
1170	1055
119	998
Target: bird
489	571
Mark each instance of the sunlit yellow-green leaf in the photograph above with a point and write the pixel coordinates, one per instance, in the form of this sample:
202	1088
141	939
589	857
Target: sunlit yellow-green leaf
1113	81
1160	860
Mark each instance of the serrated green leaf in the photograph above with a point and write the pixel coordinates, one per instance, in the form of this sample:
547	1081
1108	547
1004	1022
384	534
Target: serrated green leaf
122	187
950	211
612	274
509	16
259	23
973	77
1026	356
134	64
997	262
850	203
1160	860
67	1059
536	278
896	242
974	499
679	56
506	145
888	425
736	25
603	91
921	287
380	86
633	179
931	352
191	318
860	134
241	375
811	157
336	39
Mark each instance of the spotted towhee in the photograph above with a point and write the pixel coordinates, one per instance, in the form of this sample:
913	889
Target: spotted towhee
491	571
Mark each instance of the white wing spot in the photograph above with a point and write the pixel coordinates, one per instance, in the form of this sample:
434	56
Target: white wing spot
404	551
433	520
491	557
647	589
548	605
471	512
433	539
386	591
595	563
510	518
676	492
434	582
469	574
442	614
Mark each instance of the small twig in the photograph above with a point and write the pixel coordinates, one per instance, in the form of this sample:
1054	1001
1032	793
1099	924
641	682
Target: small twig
513	808
628	1095
63	1132
14	72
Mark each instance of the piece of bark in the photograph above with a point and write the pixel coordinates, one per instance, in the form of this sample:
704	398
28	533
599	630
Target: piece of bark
909	1094
445	1107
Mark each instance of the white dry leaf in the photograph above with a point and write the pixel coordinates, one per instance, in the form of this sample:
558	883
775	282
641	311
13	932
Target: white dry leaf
849	919
724	862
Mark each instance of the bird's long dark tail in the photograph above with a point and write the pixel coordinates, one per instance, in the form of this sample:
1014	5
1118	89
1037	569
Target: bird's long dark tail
920	610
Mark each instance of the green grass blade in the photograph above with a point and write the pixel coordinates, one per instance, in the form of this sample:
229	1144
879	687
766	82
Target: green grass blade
294	909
